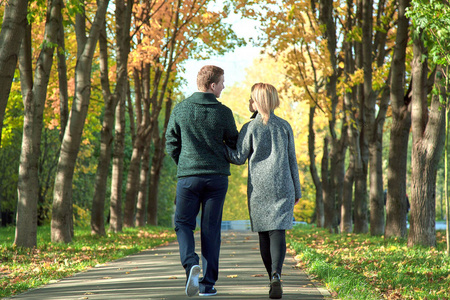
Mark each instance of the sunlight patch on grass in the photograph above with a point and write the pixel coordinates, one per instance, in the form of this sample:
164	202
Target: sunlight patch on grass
358	266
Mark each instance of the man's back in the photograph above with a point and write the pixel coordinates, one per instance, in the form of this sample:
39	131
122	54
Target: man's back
197	129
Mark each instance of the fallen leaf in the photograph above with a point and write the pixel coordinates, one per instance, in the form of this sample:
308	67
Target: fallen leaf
232	276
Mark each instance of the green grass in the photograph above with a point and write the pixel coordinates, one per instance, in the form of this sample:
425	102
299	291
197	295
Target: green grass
357	266
22	269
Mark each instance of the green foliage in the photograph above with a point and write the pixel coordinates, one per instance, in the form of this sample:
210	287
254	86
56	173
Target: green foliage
433	18
23	269
13	120
363	267
81	216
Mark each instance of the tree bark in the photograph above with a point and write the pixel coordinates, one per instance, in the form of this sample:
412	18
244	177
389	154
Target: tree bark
326	18
346	224
319	211
142	97
157	163
396	208
115	224
123	23
34	103
428	131
353	129
61	230
11	35
63	88
143	186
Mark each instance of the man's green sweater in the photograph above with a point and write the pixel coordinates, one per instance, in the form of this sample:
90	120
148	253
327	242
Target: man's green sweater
197	129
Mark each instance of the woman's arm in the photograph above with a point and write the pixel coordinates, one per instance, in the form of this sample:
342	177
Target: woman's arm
239	155
293	165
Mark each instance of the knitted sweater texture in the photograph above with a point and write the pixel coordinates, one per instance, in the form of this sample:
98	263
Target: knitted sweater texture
197	130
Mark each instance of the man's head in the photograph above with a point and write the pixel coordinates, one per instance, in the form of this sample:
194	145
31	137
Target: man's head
210	80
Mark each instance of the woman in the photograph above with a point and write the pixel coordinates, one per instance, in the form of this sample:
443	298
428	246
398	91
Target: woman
273	181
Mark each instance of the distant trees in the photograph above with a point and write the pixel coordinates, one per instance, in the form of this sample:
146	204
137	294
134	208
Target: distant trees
355	65
149	39
366	65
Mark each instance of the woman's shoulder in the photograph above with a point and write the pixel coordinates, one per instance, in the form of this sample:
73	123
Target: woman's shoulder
282	121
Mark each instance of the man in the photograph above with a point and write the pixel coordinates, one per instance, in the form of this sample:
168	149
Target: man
197	129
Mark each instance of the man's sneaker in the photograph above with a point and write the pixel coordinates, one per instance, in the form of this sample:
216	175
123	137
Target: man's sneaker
276	291
192	282
211	292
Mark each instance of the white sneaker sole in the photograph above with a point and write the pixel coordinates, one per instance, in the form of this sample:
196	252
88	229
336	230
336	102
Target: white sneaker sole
207	294
192	283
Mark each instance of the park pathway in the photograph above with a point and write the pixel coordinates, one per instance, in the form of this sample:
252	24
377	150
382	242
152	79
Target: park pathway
157	274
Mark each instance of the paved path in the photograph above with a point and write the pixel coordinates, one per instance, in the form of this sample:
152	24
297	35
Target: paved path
157	274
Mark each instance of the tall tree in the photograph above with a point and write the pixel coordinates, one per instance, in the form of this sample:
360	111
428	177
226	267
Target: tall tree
429	20
11	34
34	96
396	208
123	14
376	98
327	19
294	37
156	166
61	230
190	29
115	222
428	131
350	105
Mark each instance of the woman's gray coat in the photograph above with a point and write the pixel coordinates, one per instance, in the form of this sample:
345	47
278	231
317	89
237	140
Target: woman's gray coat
273	180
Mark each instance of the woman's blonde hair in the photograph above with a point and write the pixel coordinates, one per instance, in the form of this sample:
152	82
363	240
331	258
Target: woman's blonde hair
266	97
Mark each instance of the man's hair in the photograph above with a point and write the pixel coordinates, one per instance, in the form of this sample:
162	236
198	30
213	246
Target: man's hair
266	96
207	75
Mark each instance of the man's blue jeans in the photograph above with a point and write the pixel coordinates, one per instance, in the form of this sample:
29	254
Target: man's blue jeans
207	192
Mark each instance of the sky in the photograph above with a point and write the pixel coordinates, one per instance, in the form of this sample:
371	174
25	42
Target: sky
234	63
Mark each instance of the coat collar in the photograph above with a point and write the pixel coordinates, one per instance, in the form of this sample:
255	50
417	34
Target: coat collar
203	98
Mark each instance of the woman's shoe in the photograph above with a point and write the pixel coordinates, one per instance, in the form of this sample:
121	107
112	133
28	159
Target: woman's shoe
276	291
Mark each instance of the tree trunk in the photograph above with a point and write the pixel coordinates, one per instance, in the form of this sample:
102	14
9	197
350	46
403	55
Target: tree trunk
143	186
61	230
401	123
376	187
327	19
34	103
319	212
142	98
428	131
157	163
63	89
346	224
115	224
338	168
11	35
123	14
132	184
353	130
155	175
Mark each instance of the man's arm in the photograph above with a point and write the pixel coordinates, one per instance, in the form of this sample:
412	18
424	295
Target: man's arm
231	132
173	139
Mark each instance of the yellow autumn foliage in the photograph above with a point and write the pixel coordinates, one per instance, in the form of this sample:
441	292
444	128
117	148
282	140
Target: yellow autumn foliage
294	107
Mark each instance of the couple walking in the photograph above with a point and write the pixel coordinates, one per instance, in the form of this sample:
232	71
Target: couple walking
202	138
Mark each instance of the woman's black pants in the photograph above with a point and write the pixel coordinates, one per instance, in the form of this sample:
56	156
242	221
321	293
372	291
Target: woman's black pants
272	245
